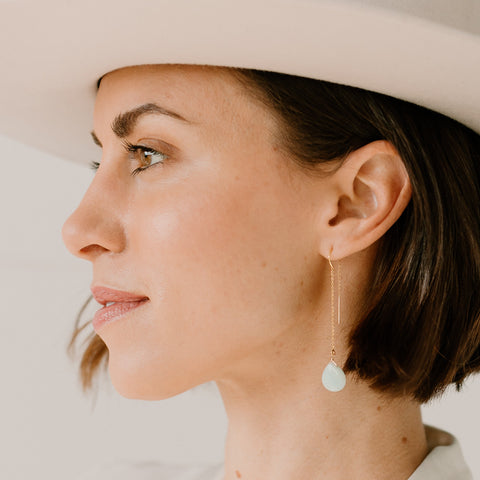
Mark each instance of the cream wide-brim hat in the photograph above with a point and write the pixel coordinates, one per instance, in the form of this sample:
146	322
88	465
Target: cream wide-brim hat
54	51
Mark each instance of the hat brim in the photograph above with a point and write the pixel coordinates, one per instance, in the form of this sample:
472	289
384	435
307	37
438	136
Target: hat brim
53	52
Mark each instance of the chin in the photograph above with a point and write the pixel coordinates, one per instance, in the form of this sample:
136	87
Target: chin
137	385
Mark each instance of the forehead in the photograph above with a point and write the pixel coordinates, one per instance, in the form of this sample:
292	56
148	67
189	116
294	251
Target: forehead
195	91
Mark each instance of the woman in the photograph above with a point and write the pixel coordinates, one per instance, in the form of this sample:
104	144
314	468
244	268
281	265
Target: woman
310	247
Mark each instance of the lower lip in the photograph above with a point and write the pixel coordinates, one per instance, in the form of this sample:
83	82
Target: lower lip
114	312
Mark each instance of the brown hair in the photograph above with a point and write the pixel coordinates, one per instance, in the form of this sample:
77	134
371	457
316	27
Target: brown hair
420	328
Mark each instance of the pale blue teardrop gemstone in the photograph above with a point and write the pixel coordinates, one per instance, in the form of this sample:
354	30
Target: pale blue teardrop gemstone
333	378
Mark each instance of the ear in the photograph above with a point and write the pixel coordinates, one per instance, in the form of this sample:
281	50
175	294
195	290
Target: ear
368	194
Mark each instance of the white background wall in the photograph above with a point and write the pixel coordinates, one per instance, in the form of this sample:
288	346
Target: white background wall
48	429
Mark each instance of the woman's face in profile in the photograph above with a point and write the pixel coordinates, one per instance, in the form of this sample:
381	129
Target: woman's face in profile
194	207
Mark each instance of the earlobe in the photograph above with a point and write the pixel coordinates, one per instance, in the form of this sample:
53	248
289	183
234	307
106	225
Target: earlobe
372	191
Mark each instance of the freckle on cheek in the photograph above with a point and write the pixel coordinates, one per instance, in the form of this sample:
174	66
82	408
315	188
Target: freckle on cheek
404	440
238	474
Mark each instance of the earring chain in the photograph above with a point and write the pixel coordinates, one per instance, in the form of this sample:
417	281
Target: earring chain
332	301
332	307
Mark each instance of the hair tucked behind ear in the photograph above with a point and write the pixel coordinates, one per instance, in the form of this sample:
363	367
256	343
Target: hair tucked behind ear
420	327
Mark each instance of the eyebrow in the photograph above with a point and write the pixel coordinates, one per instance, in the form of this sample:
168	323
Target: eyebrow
125	122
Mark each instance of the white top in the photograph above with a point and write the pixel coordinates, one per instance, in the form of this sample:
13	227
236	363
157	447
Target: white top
444	462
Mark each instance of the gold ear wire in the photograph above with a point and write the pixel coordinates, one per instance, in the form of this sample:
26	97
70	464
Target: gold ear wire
339	290
332	299
332	306
333	377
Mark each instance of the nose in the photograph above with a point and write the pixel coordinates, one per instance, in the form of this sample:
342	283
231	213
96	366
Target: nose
96	226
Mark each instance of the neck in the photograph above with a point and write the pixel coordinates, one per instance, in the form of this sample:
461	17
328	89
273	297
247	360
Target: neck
283	424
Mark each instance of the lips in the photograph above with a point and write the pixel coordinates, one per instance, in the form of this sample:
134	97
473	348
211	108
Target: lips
116	304
104	295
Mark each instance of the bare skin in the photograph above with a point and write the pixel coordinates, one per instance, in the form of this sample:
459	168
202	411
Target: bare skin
229	241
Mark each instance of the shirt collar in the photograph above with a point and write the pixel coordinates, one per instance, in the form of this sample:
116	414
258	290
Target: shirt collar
445	459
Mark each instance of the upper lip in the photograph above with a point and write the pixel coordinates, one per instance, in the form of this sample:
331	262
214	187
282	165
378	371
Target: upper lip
104	295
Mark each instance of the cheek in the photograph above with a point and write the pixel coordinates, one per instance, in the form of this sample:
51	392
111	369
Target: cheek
216	250
222	268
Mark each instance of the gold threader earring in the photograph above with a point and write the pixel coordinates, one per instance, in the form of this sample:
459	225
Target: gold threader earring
333	377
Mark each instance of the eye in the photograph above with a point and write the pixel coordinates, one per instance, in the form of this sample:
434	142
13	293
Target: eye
146	157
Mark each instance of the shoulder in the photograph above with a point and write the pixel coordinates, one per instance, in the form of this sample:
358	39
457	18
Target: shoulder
153	471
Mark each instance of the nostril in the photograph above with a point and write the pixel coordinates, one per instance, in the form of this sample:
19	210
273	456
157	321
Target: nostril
91	251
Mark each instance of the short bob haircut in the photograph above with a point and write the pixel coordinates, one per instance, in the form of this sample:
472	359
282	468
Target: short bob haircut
419	327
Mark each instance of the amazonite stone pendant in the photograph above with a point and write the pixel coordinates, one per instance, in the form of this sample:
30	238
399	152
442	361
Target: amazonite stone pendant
333	377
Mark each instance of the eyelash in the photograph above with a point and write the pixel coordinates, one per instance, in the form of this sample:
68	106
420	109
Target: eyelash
136	149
